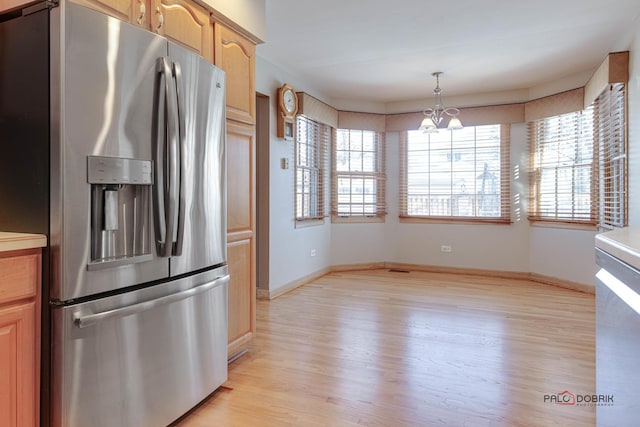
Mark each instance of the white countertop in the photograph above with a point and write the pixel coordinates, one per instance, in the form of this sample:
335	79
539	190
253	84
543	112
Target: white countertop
17	241
623	243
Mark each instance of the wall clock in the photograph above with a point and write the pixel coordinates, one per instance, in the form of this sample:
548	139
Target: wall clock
287	109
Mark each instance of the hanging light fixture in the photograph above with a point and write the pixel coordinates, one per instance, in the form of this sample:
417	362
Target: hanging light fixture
434	116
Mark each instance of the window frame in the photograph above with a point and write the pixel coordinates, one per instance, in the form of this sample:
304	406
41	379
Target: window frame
609	176
611	143
320	135
504	183
537	130
378	174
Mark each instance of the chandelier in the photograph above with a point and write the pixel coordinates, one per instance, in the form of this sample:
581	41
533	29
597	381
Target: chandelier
434	116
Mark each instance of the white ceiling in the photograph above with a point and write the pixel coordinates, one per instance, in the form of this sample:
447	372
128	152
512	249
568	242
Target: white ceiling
383	50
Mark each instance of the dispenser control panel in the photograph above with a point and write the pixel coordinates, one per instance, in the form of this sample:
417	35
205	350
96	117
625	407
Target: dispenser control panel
117	170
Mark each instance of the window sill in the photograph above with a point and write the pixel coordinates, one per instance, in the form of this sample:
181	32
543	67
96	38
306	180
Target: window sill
453	220
311	222
356	219
563	224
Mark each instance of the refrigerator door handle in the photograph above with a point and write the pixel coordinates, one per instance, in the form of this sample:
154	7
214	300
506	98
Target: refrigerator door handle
163	74
86	320
173	154
179	225
167	165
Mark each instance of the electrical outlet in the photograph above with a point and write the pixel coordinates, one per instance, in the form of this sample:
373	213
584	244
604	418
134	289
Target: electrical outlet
313	252
445	248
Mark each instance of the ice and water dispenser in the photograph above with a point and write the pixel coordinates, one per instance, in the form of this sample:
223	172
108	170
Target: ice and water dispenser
120	211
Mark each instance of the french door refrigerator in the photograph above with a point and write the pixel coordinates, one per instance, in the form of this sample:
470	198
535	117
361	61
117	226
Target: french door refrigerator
112	144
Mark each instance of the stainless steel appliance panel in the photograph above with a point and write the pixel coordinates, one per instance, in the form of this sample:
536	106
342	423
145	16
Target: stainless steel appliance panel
617	341
142	358
107	80
202	215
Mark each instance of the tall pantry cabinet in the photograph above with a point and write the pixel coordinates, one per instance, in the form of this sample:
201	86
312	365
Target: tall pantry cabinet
235	54
232	49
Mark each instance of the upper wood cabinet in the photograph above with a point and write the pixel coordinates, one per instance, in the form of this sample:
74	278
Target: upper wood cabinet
235	54
181	21
133	11
184	22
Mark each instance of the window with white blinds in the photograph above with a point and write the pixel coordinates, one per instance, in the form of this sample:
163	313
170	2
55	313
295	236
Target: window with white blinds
579	164
358	174
611	142
310	153
562	161
460	175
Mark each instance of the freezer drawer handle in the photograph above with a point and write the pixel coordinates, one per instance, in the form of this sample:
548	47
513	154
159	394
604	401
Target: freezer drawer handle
83	321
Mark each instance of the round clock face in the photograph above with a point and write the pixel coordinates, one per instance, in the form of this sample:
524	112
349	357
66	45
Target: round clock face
289	100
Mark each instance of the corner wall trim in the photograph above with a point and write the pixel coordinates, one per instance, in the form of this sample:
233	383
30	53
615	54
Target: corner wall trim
275	293
515	275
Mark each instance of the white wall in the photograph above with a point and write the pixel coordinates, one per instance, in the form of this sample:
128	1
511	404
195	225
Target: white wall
565	254
561	253
634	126
289	247
491	246
569	254
248	14
358	243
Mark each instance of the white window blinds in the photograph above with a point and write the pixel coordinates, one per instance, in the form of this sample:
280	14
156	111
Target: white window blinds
611	142
579	164
310	154
562	168
358	175
460	175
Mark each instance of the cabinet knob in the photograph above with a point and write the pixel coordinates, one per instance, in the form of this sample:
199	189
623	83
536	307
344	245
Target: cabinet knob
143	11
160	19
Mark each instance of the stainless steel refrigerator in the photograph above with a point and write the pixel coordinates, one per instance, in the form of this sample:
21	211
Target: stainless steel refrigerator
617	329
112	144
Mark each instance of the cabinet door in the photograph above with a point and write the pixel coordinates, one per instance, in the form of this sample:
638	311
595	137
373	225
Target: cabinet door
236	56
241	295
241	233
132	11
240	177
184	22
19	275
18	365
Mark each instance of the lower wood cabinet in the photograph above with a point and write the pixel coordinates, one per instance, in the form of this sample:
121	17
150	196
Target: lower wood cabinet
18	397
19	338
241	295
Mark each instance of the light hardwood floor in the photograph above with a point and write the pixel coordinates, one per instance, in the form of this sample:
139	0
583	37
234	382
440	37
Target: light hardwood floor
379	348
